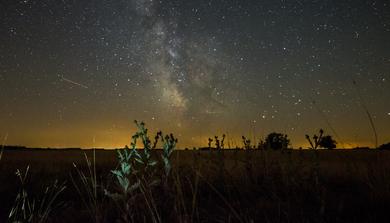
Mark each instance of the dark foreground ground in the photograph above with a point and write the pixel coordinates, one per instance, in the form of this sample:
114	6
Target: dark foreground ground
229	186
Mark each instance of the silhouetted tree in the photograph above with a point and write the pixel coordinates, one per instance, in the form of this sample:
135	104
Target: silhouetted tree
276	141
327	142
385	146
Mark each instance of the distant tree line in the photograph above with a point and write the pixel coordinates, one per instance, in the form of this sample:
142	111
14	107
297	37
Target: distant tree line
26	148
15	147
279	141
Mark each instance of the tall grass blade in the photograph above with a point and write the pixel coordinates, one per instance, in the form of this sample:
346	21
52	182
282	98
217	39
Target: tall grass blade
341	142
93	204
2	148
22	203
368	113
94	164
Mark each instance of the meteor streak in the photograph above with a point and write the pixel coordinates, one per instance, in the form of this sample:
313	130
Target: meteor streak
74	83
214	112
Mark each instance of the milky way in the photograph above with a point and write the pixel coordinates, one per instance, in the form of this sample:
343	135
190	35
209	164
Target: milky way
187	73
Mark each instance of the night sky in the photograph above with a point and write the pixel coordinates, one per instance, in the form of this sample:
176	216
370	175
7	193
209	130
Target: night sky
72	71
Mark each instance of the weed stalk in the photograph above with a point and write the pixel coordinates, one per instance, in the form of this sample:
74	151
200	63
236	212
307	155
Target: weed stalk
316	165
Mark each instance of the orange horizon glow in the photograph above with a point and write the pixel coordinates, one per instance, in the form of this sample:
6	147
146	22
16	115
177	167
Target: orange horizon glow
108	140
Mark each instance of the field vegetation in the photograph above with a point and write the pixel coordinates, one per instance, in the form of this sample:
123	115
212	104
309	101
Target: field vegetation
253	184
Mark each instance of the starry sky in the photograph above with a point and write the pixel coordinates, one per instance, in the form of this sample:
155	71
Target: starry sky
74	71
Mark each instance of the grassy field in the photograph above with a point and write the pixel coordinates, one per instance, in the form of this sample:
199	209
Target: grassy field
202	186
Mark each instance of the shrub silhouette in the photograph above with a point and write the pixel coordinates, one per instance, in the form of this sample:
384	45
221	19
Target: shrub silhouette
276	141
327	142
384	146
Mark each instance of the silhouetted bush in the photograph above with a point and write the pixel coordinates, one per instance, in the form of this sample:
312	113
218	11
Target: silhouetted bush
385	146
276	141
327	142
